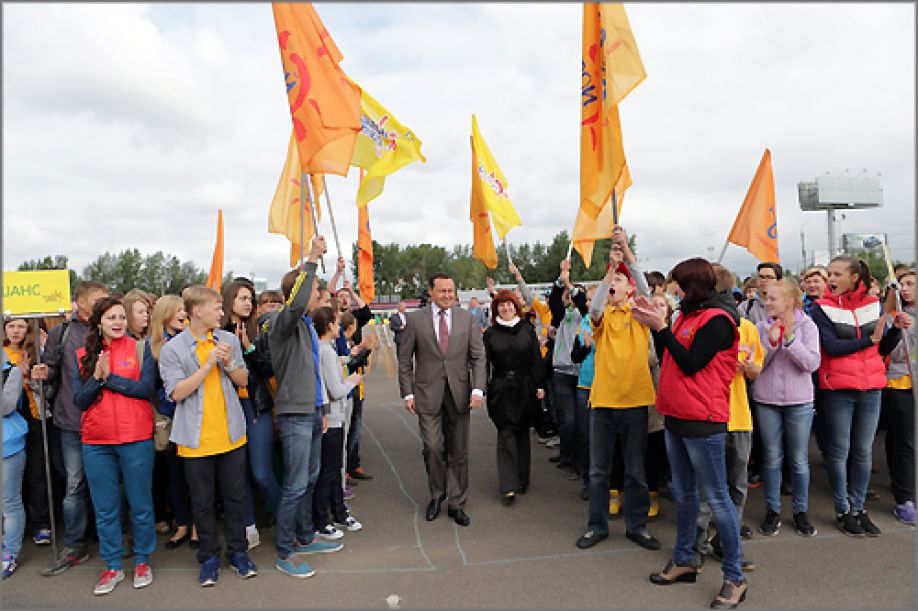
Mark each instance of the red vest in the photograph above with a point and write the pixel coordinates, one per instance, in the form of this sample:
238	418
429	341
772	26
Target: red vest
853	315
706	395
115	418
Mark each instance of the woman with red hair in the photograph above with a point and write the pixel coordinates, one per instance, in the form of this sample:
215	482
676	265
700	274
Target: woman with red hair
514	389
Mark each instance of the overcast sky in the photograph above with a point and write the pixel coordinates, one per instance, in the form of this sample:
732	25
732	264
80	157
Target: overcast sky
129	125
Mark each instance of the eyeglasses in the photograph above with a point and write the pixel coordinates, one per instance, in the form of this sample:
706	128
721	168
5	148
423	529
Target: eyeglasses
761	277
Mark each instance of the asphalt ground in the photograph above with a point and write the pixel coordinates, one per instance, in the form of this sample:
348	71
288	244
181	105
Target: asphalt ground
518	556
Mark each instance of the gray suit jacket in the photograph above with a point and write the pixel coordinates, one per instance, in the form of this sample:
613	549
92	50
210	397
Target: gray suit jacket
422	369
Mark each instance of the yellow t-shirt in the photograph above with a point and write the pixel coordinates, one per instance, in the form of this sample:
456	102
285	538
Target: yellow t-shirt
622	374
903	383
215	438
14	356
740	415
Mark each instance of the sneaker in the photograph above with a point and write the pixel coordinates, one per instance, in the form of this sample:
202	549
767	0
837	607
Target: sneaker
251	535
849	524
870	529
748	565
143	575
554	441
745	532
905	513
654	510
755	480
243	566
542	440
107	582
329	533
348	493
359	473
318	547
10	562
42	537
615	503
68	557
802	525
644	539
210	572
350	523
301	570
590	538
770	524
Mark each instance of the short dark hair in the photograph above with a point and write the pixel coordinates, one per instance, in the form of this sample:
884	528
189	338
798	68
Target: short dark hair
322	319
288	281
86	287
654	279
775	267
439	276
270	295
505	295
696	278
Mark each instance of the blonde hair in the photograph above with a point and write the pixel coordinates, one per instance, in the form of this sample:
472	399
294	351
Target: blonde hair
814	271
791	290
164	310
196	295
130	298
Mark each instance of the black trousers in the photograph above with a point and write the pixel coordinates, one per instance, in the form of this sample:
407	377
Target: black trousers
328	498
203	475
513	458
655	463
36	484
900	442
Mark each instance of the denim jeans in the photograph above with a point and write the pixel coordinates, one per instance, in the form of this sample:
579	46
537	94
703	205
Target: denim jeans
14	516
76	501
565	398
786	426
259	431
301	447
737	449
582	419
607	427
851	418
353	437
700	462
106	467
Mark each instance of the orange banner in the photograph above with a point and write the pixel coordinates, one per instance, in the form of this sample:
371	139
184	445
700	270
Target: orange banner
215	277
365	253
756	225
483	239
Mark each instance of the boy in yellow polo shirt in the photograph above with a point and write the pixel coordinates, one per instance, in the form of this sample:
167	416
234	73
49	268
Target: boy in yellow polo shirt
201	368
619	398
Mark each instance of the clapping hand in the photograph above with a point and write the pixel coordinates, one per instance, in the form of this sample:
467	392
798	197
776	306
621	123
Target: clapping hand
647	313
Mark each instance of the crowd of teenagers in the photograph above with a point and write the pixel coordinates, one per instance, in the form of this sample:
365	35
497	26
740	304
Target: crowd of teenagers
685	384
167	413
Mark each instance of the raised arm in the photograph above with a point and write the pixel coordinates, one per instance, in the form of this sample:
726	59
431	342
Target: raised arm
293	310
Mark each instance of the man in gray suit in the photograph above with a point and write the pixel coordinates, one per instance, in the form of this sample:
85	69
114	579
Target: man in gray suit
439	346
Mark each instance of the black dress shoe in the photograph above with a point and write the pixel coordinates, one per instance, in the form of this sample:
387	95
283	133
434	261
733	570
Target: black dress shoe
461	518
194	544
433	508
644	539
554	458
509	499
591	538
522	489
174	543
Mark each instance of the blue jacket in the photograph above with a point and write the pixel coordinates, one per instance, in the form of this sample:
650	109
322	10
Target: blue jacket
15	426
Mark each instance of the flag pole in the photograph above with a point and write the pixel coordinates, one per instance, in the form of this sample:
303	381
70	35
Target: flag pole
315	220
614	208
507	250
42	413
331	215
723	250
302	216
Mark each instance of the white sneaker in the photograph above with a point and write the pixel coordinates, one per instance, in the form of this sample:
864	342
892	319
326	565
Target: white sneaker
107	582
251	535
351	524
554	441
329	533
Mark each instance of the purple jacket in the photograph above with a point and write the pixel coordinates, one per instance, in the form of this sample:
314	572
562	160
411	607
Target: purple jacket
786	377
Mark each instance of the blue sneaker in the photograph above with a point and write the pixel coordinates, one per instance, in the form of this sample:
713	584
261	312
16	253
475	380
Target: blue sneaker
244	567
318	547
42	537
302	570
210	572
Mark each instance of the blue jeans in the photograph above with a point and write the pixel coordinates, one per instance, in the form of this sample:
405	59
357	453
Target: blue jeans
582	418
701	461
107	466
565	386
851	418
76	501
301	448
14	516
259	433
607	426
786	426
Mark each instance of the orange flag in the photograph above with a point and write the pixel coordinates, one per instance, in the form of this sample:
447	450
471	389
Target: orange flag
215	277
756	225
483	240
324	103
587	229
365	253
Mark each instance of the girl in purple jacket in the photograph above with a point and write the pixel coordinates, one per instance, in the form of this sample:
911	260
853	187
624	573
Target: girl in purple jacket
783	395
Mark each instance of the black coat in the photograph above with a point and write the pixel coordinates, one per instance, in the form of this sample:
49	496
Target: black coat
514	374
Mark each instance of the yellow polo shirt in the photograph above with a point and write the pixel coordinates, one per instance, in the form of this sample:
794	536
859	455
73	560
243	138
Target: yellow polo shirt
622	374
215	437
903	383
740	415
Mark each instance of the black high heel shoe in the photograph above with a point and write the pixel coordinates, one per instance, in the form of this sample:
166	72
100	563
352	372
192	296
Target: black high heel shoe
674	573
174	543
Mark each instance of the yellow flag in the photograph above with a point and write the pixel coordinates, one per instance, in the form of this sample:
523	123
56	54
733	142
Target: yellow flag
622	60
587	229
756	224
383	146
284	215
493	186
482	239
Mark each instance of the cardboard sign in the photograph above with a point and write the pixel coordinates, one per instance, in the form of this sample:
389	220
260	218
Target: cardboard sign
45	292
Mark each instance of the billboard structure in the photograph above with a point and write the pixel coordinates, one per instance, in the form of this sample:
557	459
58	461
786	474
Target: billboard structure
854	242
831	193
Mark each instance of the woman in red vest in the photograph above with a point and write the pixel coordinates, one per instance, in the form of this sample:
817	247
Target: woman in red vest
699	362
115	378
854	340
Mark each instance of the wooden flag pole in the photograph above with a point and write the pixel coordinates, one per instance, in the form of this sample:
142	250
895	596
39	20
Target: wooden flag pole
302	217
331	216
315	220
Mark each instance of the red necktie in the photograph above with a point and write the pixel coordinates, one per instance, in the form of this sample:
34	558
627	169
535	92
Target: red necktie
444	333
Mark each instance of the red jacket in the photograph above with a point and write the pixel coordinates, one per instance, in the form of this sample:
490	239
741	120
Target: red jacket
704	396
121	411
844	320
